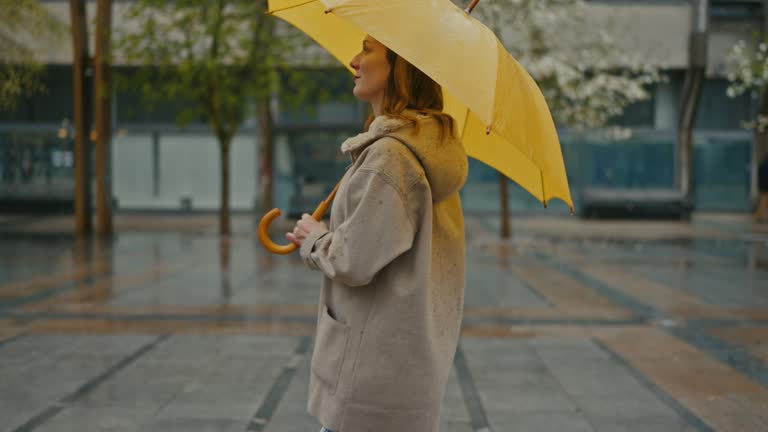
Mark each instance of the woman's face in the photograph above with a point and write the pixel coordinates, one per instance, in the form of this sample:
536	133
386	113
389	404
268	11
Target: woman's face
371	71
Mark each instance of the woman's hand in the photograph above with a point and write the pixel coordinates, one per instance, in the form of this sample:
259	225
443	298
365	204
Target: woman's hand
306	225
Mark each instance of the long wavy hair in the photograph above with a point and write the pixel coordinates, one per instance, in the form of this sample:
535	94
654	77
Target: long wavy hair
408	88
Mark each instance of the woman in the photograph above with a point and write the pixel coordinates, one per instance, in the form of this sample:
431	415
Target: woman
392	260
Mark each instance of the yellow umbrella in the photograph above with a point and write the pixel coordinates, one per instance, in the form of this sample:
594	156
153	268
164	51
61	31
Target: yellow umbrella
501	114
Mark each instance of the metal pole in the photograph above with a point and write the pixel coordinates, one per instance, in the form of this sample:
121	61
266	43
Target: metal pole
694	80
81	108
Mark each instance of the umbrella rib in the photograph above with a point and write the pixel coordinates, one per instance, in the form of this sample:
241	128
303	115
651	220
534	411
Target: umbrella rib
466	120
291	7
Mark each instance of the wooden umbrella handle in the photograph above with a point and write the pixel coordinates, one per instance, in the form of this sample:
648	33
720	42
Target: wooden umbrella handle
273	214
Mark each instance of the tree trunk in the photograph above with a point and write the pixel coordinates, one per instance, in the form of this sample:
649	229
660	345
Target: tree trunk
224	146
82	111
103	104
759	139
503	189
266	156
759	147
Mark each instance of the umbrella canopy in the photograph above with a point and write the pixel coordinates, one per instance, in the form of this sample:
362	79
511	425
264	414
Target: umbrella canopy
500	112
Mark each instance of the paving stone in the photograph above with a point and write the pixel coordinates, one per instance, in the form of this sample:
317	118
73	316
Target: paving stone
644	425
195	424
213	376
106	419
611	409
539	422
531	400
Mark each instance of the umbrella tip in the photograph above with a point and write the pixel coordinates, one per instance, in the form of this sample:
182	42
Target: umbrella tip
329	10
488	130
471	7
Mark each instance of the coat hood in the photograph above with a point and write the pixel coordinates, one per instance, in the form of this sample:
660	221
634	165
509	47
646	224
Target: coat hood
443	157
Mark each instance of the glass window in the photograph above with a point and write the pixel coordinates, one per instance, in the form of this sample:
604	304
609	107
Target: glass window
718	111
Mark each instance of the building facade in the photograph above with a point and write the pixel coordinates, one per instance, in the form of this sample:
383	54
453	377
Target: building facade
158	166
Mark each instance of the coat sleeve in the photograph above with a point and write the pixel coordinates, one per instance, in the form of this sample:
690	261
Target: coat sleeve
378	230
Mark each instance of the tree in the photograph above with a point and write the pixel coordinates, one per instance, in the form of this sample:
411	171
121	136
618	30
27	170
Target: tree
584	75
586	78
747	71
223	57
19	69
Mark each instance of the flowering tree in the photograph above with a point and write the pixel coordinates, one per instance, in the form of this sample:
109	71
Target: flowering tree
586	78
747	69
19	69
584	75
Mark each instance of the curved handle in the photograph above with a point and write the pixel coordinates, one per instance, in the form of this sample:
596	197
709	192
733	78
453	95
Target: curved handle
271	246
273	214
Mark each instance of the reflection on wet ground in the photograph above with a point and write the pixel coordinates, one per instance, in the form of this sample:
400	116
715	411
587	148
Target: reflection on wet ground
570	325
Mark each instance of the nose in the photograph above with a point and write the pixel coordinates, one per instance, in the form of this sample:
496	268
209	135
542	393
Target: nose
355	63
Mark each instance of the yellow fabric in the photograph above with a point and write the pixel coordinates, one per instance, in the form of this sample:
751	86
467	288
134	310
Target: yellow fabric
485	88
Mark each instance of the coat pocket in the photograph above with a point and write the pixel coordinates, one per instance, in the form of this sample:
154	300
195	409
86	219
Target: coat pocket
330	346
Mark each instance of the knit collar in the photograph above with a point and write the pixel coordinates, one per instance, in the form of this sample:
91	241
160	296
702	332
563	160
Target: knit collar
381	125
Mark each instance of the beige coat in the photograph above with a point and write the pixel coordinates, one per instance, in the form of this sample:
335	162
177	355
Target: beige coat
393	281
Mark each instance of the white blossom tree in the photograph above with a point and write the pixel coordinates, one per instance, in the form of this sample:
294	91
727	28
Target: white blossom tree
584	75
747	69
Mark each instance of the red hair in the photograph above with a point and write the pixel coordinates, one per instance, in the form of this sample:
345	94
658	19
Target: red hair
408	88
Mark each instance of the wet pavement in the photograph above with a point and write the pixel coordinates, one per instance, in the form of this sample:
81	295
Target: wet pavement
572	325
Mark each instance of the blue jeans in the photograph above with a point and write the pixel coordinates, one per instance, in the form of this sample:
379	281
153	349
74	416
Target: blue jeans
325	430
